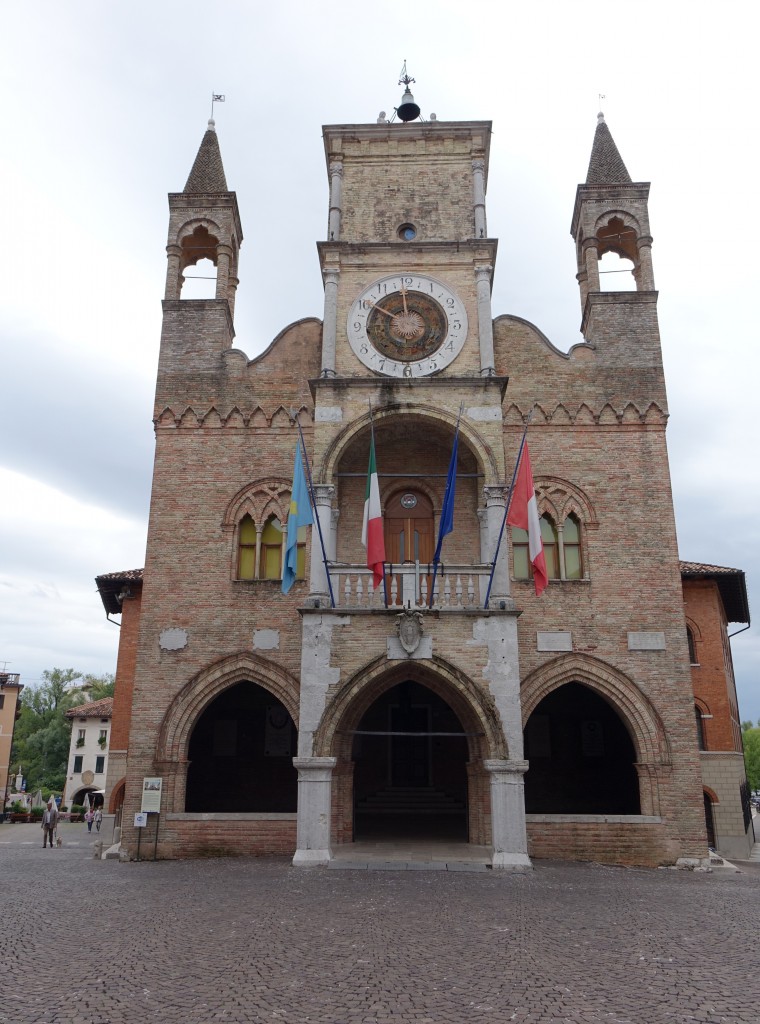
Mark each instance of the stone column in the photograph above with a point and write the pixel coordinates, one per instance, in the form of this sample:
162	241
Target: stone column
591	261
485	322
314	785
223	261
479	196
173	272
510	838
645	278
336	200
231	292
323	496
330	322
495	505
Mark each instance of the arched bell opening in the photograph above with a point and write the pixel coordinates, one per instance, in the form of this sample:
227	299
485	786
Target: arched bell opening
410	755
581	756
241	754
199	250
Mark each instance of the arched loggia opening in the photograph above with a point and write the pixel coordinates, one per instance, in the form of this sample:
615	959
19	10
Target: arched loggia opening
582	759
410	758
241	754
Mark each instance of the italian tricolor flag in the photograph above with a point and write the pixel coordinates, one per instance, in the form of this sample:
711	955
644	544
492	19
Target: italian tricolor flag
523	513
372	527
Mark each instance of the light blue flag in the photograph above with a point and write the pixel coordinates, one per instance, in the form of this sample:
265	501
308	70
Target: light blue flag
299	515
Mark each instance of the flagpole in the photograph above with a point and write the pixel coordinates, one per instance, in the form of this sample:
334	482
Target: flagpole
436	558
372	434
506	508
316	510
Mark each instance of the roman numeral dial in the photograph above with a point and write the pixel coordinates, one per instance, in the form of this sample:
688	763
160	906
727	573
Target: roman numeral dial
407	326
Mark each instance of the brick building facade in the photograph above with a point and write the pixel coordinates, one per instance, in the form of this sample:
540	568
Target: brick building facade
561	726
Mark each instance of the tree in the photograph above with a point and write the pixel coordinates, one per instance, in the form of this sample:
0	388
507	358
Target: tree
98	687
42	734
751	739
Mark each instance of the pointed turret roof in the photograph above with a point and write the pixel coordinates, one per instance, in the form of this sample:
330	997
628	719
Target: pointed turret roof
606	165
207	174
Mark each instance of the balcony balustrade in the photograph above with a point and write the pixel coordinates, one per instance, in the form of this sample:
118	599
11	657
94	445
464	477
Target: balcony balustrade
408	586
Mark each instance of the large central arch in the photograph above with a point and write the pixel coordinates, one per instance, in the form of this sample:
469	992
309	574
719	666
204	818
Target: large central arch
470	706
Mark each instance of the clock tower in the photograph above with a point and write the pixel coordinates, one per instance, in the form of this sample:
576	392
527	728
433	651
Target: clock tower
407	358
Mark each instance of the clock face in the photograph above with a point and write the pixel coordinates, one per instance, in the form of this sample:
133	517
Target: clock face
407	326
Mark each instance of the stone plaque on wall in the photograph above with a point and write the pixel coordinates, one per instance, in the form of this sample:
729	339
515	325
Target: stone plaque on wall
554	640
646	641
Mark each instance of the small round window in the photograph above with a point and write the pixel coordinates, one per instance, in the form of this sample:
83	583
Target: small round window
407	232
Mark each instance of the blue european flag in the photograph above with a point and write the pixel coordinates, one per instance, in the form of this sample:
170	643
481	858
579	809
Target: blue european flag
447	512
298	516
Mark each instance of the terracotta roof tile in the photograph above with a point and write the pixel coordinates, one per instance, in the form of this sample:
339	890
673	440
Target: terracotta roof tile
731	584
95	709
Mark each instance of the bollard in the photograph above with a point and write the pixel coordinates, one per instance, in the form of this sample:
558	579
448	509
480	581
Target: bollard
98	850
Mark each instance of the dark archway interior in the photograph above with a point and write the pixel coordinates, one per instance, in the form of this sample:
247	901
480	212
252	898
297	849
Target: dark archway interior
709	820
410	778
241	754
581	757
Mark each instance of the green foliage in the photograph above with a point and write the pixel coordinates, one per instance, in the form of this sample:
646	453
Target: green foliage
751	739
42	735
77	808
37	812
97	687
17	807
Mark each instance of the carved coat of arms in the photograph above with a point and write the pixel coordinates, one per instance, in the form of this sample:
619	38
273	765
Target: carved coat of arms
409	630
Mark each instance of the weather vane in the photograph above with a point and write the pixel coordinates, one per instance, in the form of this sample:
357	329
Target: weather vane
216	97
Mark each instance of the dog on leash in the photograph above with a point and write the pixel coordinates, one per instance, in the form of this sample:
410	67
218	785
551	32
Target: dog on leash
58	841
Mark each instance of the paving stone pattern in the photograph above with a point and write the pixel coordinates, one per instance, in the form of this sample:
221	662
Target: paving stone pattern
244	940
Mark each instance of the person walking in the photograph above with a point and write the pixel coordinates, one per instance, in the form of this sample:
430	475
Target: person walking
88	817
49	823
98	818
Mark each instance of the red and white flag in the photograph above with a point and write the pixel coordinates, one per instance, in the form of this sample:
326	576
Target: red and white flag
523	513
373	538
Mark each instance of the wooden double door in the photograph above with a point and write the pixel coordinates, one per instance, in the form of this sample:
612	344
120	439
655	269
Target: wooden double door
409	528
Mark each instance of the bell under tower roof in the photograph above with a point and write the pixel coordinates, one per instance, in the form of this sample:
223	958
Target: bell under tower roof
606	165
207	174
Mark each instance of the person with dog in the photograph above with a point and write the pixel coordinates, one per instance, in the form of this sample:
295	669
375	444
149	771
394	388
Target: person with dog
49	823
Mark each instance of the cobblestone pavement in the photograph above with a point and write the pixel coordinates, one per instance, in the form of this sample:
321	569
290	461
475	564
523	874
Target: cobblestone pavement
236	941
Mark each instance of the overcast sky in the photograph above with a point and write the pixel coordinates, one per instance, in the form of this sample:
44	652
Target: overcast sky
105	106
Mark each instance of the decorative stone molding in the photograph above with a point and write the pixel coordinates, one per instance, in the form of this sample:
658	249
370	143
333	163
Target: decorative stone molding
234	418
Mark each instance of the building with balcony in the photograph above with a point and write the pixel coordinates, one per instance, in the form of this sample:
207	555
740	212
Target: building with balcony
87	766
428	707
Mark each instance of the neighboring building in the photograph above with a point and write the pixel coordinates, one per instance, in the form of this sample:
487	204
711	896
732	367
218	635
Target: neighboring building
10	709
553	727
88	752
121	593
713	597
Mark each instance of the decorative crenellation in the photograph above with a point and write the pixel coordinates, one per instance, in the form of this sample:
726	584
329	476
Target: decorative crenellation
563	415
255	419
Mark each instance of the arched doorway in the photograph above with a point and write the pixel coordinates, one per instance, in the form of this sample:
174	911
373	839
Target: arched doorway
582	759
240	754
410	754
95	797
